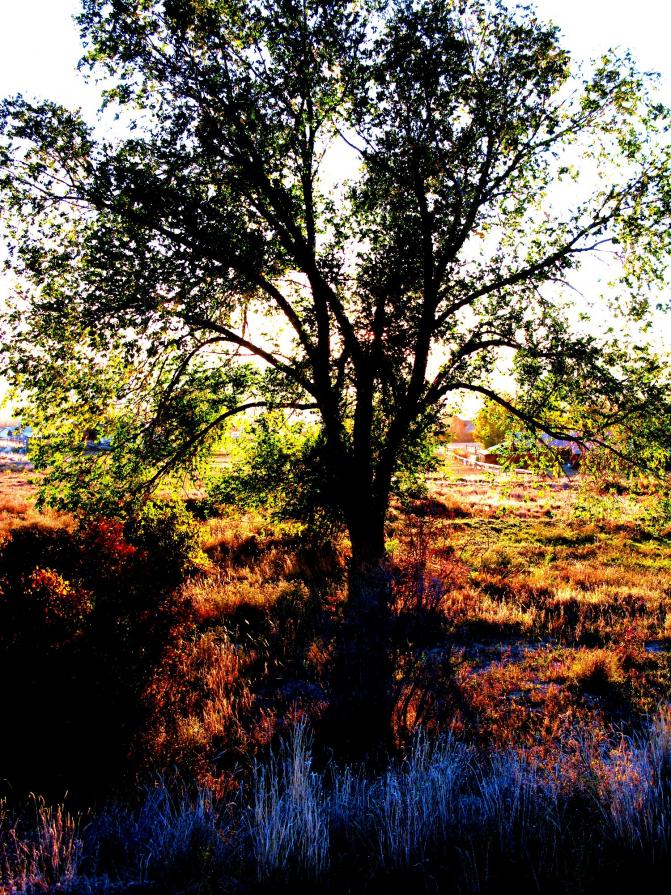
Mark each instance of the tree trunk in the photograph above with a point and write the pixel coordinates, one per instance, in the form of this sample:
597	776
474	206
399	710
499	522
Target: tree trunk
360	716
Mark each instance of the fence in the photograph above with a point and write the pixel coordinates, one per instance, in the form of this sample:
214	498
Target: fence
481	464
19	442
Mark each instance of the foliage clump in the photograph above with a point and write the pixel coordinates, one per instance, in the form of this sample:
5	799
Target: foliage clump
166	531
277	466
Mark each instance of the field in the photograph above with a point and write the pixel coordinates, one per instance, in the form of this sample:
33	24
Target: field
175	680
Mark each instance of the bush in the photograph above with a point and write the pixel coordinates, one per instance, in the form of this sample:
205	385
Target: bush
56	604
169	537
279	466
86	617
657	516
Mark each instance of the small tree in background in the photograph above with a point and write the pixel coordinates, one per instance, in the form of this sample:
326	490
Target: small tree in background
494	423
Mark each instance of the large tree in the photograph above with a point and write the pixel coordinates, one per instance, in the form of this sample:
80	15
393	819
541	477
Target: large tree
371	200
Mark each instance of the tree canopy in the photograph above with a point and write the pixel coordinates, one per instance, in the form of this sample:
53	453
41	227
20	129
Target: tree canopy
346	208
493	423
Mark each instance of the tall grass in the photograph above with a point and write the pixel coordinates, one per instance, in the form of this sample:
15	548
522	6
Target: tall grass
636	804
459	820
414	805
446	807
40	855
289	817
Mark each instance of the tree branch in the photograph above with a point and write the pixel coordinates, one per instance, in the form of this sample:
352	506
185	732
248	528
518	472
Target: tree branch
229	335
186	449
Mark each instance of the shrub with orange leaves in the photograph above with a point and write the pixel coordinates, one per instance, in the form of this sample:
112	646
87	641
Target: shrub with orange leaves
57	601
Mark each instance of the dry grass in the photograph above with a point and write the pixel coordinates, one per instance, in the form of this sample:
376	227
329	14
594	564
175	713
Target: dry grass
555	619
445	818
198	697
517	618
220	595
41	853
524	635
550	620
594	579
17	501
596	670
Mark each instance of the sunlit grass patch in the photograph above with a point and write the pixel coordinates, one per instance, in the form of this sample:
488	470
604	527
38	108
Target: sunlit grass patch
17	504
596	670
41	854
219	595
576	581
12	506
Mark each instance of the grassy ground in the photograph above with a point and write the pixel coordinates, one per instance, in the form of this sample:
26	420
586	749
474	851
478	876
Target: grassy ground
542	600
559	599
531	624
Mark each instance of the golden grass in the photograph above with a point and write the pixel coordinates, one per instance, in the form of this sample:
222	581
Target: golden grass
214	597
595	669
526	550
556	619
545	612
17	502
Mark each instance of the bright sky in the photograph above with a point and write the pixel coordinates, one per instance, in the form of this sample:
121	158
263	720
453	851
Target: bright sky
39	44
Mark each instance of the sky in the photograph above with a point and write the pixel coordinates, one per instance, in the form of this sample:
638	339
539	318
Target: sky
39	46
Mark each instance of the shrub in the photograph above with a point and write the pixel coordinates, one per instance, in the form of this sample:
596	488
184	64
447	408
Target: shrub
85	618
279	466
169	536
57	601
657	515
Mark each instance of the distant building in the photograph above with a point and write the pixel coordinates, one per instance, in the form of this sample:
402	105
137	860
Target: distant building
461	430
15	430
